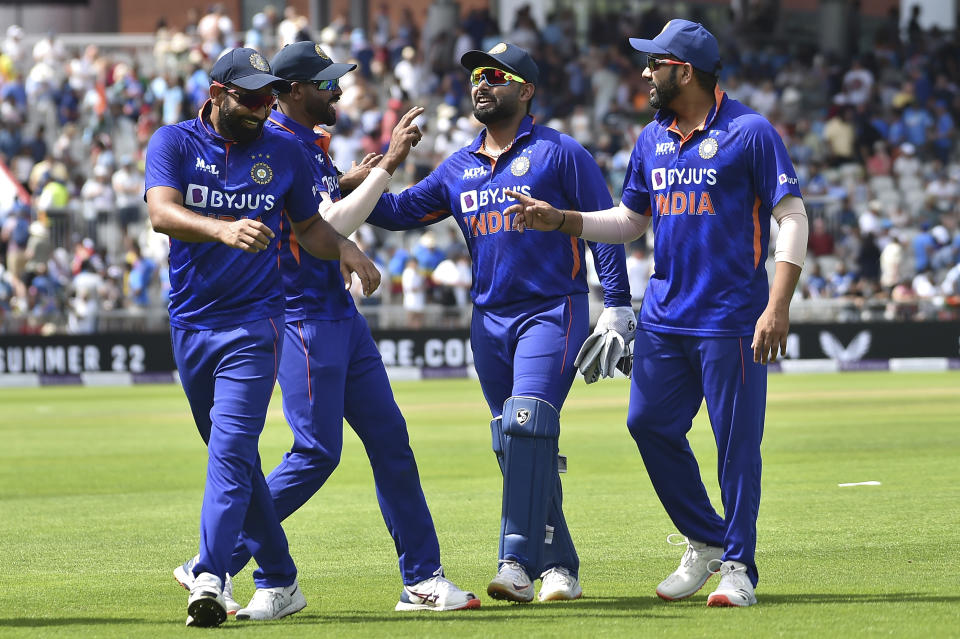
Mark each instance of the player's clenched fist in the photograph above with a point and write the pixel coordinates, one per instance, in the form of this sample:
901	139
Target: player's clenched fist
352	260
246	234
531	213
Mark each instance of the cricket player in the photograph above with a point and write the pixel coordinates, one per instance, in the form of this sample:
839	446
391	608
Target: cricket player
528	322
330	367
218	186
710	173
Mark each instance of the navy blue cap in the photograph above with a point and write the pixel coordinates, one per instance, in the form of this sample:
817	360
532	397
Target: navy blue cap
687	41
508	57
306	62
244	68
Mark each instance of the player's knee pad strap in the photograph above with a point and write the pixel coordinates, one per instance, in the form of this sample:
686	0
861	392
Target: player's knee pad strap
496	434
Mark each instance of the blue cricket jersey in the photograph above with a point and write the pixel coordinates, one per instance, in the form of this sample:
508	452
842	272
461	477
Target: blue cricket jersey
509	266
211	284
710	195
314	288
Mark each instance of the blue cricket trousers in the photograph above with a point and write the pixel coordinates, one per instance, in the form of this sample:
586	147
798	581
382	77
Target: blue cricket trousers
228	376
672	374
527	349
331	370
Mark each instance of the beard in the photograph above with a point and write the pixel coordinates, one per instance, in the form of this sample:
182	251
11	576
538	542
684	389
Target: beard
665	92
323	112
497	112
233	125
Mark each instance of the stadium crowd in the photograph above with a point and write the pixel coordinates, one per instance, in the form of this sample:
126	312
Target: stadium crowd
872	132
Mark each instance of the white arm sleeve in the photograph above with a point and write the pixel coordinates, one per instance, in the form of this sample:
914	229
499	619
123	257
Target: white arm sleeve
346	215
791	215
614	226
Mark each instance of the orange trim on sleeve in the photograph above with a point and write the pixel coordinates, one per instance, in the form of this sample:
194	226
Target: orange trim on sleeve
433	215
294	247
576	257
757	235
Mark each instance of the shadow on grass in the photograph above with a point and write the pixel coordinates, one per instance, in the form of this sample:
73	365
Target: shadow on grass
49	622
600	607
854	598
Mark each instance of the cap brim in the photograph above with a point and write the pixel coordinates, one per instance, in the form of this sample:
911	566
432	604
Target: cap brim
474	59
334	71
258	81
647	46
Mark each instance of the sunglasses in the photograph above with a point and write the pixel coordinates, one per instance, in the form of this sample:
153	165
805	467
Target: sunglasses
252	101
494	77
326	85
655	63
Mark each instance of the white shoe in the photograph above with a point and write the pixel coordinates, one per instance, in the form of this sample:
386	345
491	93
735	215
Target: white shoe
184	576
693	572
436	593
205	608
511	583
559	585
735	587
273	603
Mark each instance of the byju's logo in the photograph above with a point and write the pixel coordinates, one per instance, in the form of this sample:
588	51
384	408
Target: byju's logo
783	179
468	201
196	196
658	177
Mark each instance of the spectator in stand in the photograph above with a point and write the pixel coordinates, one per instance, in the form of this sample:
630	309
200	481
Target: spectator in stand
891	263
820	242
414	293
840	135
87	287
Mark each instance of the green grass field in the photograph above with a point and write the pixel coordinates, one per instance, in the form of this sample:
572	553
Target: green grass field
100	494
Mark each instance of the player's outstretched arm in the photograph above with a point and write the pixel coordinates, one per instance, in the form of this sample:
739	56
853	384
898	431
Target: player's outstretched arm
348	214
323	242
170	217
538	215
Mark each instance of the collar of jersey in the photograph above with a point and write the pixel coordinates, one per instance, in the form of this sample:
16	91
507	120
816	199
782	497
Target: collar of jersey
204	118
308	135
525	128
668	119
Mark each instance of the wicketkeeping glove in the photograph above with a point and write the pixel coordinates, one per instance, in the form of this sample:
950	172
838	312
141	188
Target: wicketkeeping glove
609	343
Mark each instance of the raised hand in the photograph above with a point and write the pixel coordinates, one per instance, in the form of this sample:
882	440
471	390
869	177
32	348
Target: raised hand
532	213
358	172
405	135
246	234
352	260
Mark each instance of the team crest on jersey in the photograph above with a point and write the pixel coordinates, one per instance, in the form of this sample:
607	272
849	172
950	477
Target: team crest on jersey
522	416
520	166
259	63
708	148
261	173
320	52
500	47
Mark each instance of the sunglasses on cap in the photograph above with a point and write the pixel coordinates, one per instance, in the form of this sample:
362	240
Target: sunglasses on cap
326	85
252	101
493	77
655	63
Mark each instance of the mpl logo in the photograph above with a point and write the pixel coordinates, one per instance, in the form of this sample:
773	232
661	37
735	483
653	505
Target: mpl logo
658	178
475	172
468	201
665	147
196	195
202	165
783	179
